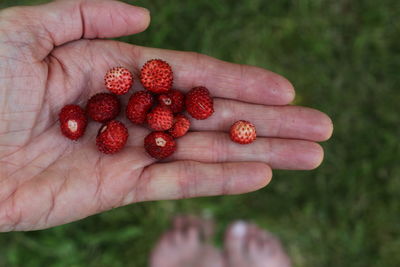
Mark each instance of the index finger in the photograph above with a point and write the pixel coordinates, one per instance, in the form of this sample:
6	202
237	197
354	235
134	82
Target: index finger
226	80
223	79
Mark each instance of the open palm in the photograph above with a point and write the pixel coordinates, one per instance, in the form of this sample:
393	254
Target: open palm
51	56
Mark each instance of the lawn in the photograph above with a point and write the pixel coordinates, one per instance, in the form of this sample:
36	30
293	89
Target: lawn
343	58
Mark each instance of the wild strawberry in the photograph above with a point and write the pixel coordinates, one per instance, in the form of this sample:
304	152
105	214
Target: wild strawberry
160	118
73	121
118	80
199	103
174	99
103	107
138	105
180	127
159	145
243	132
156	76
112	137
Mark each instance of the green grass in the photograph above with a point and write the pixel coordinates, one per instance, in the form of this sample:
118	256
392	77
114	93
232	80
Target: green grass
344	59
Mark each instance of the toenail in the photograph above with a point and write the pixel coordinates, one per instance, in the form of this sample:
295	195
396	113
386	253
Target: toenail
239	229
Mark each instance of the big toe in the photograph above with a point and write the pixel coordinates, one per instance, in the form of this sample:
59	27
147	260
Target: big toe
235	240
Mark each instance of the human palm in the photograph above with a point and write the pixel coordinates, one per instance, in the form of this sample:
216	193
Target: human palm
51	56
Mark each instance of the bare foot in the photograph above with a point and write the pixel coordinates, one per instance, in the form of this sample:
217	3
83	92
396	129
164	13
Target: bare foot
247	245
186	245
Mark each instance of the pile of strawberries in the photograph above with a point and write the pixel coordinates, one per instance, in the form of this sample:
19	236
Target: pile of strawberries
159	106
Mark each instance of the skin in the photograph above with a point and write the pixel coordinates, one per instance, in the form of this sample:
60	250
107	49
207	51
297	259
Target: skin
56	54
187	243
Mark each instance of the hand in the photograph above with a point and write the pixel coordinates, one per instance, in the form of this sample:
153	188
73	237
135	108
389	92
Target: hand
52	55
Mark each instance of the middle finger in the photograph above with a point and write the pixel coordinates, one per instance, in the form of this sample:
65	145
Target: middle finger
292	122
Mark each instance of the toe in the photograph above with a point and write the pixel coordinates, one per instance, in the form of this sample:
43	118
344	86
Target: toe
177	238
253	245
179	223
212	257
208	229
267	248
235	238
192	237
162	250
205	226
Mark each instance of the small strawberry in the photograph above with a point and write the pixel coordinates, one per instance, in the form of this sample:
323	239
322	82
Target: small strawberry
138	105
112	137
159	145
199	103
118	80
156	76
103	107
73	121
180	127
243	132
174	99
160	118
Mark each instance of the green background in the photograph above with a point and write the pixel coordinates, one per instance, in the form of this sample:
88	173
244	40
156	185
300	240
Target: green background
343	58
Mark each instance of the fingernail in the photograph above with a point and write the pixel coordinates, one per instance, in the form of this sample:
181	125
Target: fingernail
143	9
239	229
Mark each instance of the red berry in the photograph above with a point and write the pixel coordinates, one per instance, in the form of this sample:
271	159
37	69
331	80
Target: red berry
174	99
112	137
243	132
103	107
138	105
156	76
118	80
199	103
180	127
159	145
160	118
73	121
